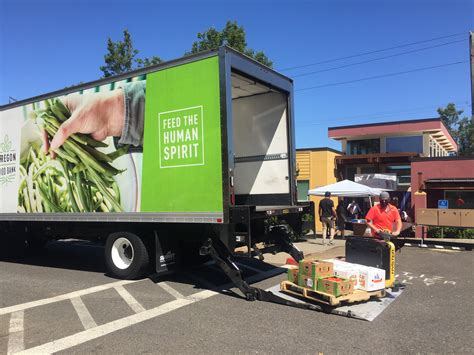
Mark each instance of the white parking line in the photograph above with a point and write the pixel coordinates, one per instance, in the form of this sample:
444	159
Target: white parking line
16	334
101	330
83	313
67	296
170	290
131	301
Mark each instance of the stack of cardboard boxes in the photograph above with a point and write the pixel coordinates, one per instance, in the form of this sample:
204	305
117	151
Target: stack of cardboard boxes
336	277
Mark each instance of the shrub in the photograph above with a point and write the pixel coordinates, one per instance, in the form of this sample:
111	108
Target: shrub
450	232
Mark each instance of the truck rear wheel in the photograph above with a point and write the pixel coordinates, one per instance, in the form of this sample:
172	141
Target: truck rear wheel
126	256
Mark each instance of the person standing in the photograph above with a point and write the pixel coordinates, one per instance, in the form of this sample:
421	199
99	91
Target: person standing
354	210
383	216
327	213
341	217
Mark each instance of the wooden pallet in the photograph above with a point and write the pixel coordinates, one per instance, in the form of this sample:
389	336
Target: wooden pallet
322	297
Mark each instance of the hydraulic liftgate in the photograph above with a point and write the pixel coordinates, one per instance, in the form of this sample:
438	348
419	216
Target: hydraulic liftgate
224	259
215	248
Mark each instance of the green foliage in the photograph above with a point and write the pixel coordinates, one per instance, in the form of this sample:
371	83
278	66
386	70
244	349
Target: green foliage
460	128
450	232
145	62
232	35
121	57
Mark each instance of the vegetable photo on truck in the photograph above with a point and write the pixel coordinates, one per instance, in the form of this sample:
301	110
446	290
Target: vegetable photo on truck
164	164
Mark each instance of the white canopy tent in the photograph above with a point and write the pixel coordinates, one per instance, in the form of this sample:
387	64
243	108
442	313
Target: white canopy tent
346	188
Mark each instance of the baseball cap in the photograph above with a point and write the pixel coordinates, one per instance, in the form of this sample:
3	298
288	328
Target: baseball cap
327	194
384	195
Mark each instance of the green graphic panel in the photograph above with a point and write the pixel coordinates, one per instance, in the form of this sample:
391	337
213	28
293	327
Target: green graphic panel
181	137
182	170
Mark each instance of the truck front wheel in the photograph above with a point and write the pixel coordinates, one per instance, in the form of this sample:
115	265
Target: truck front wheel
126	256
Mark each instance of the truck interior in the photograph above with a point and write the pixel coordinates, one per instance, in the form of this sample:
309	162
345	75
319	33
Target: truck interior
261	146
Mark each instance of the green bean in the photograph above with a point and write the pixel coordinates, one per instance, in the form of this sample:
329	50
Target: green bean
51	190
80	194
92	142
57	112
103	189
119	152
65	111
78	168
63	154
48	203
97	154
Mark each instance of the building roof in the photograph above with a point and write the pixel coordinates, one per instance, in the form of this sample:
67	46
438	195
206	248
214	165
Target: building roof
318	149
434	126
449	158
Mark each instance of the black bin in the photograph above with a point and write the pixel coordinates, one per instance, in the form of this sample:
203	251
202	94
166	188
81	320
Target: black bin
369	252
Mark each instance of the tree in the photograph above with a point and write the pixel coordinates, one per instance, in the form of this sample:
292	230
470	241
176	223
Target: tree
232	35
460	128
121	57
145	62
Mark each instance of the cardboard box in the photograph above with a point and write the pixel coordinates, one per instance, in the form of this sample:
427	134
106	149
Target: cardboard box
335	286
293	274
427	216
336	261
349	272
371	278
467	218
450	218
315	268
308	282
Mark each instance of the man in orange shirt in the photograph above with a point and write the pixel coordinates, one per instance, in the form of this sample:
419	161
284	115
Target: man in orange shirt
383	216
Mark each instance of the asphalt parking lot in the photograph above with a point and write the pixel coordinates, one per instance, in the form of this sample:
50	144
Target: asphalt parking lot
61	301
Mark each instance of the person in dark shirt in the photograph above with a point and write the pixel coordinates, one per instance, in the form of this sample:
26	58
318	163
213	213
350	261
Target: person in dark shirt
327	214
341	216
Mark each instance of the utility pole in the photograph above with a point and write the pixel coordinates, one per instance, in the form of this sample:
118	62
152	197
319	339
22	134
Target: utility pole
471	52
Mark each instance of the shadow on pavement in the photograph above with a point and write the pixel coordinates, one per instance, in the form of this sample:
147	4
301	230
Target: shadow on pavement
88	256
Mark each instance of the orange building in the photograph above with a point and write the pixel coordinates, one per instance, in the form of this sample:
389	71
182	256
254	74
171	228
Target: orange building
316	167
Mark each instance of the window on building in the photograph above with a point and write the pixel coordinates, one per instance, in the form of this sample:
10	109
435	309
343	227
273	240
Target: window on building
303	187
460	199
350	173
364	146
403	174
404	144
368	170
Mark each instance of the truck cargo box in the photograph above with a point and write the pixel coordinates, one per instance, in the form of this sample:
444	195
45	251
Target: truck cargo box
200	135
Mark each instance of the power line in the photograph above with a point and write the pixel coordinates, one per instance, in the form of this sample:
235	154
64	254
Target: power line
378	118
381	114
382	76
372	52
376	59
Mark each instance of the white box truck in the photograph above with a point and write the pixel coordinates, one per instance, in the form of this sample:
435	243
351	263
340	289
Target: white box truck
195	154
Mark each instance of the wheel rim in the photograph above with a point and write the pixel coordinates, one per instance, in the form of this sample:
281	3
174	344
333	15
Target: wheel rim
122	253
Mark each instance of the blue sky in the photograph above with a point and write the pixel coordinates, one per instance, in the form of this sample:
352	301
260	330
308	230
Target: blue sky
49	44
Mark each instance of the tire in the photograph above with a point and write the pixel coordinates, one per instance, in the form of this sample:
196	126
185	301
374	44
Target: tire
126	256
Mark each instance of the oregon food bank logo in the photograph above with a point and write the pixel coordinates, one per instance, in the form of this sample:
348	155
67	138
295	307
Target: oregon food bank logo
7	162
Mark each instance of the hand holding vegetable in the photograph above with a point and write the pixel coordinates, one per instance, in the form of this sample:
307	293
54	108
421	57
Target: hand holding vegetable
81	179
101	115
